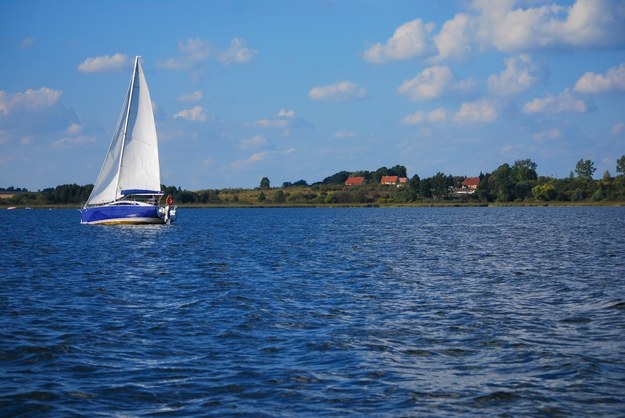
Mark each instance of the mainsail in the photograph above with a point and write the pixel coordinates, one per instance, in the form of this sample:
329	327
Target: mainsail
132	159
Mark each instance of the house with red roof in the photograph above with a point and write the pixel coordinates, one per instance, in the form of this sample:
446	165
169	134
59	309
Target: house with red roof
355	181
389	179
471	183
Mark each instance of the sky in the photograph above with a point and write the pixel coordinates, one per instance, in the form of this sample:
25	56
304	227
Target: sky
300	90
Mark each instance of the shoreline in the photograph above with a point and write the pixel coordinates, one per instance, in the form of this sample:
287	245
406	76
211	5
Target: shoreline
353	205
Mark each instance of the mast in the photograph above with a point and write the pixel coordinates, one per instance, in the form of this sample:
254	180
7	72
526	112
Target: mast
125	129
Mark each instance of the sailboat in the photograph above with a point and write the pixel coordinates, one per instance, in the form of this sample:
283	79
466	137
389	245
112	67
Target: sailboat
128	188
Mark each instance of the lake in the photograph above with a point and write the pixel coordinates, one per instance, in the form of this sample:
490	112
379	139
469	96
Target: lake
316	312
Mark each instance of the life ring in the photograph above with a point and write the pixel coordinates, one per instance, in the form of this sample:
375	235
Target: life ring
169	200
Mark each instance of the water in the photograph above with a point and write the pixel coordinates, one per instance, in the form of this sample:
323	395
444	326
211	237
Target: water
315	312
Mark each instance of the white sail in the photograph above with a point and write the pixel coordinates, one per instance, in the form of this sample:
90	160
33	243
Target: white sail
132	161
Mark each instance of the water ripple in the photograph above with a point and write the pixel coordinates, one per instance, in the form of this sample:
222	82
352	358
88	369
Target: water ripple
388	312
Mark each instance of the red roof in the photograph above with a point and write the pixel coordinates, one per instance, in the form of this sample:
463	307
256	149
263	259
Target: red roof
471	182
355	181
389	179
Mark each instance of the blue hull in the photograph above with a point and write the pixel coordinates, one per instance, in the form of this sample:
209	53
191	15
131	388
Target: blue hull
120	214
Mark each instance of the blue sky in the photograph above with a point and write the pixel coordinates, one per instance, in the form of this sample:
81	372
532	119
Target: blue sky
294	90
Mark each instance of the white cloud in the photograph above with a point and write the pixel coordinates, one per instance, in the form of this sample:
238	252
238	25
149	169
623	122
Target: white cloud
479	111
272	123
282	113
37	114
341	91
30	100
105	63
428	84
613	80
456	38
436	115
507	26
282	119
237	53
565	102
73	141
194	50
196	114
253	142
434	82
553	133
618	128
586	24
410	40
73	137
520	75
196	96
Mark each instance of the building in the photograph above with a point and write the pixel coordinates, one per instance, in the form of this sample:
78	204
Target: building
471	183
355	181
389	180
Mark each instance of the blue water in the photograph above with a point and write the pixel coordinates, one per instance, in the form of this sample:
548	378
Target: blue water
315	312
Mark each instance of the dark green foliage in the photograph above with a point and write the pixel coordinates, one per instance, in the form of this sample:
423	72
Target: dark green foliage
585	169
516	183
338	178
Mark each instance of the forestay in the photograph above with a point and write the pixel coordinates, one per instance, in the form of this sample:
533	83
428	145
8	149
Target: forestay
132	160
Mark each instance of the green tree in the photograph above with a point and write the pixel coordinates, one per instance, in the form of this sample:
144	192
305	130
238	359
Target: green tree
264	183
544	192
620	165
585	169
376	176
500	183
524	170
398	170
262	197
279	197
338	178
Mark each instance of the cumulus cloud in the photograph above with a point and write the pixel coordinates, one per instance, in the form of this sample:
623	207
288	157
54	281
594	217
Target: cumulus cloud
73	137
553	133
105	63
35	115
457	38
479	111
434	82
618	128
507	26
196	114
237	53
254	158
282	119
30	100
283	113
341	91
410	40
193	51
565	102
436	115
520	75
586	24
196	96
428	84
612	80
253	142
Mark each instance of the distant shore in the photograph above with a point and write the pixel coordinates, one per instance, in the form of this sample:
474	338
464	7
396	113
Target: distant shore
353	205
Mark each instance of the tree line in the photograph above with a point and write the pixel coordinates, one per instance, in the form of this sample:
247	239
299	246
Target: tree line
516	182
